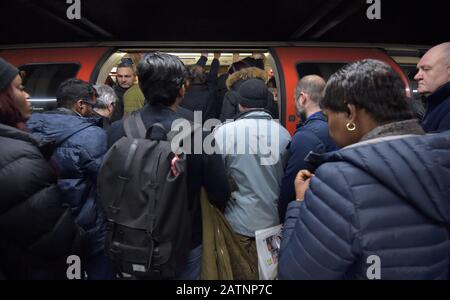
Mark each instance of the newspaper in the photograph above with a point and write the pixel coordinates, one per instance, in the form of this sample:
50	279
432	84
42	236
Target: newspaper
268	243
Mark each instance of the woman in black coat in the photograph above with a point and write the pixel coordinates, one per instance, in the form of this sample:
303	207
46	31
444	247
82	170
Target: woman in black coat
36	233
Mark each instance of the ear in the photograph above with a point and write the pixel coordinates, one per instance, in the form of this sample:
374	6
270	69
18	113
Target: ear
352	112
182	91
301	98
78	106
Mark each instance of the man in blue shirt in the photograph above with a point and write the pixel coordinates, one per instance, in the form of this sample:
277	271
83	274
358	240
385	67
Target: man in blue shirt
311	135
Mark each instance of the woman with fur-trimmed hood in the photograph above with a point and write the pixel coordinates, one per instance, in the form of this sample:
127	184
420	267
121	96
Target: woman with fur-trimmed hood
230	106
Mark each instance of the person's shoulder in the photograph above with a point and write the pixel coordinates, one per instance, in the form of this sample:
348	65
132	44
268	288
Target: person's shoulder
335	176
115	132
185	113
305	135
134	92
283	132
221	128
92	130
317	126
18	148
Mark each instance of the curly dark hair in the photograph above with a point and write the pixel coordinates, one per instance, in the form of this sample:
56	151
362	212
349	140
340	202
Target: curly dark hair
161	76
72	90
371	85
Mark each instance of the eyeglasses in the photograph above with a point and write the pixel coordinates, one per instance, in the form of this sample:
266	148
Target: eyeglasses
91	104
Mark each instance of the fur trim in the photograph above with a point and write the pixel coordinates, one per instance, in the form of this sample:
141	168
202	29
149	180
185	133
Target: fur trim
244	74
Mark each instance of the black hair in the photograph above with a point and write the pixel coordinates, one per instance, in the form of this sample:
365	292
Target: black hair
72	90
237	66
161	76
127	63
371	85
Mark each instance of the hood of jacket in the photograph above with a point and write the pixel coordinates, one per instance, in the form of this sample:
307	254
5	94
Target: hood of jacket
415	167
58	126
245	74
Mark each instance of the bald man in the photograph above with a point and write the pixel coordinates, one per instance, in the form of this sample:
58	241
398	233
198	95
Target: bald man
311	135
434	83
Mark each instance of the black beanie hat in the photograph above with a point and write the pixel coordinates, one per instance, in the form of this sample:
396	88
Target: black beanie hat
253	93
7	74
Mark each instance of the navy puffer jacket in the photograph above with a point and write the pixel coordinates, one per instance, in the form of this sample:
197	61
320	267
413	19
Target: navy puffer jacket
388	198
78	157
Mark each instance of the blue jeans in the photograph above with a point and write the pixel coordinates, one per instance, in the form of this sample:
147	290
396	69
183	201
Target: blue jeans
192	269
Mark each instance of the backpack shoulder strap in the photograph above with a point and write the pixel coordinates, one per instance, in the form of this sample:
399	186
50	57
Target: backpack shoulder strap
134	126
160	135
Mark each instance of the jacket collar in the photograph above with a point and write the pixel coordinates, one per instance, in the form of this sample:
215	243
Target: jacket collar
318	116
63	111
392	131
395	129
439	95
95	119
257	113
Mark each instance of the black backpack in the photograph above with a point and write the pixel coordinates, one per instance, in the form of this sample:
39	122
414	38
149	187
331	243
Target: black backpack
146	205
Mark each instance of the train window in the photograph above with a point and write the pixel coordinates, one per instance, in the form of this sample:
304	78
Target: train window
323	69
42	80
410	72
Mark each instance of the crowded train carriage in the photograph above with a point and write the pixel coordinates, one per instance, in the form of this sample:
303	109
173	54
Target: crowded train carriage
45	68
232	162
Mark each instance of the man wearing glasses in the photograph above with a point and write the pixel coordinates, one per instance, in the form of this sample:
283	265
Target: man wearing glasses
80	146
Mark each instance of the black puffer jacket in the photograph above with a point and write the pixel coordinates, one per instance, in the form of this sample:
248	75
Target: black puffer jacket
37	233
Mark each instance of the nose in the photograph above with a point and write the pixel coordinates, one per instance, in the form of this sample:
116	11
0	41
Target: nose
418	76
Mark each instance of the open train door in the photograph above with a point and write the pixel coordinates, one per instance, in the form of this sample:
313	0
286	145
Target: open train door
293	63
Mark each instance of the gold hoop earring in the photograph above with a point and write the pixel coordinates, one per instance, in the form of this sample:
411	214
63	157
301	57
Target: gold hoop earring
351	126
